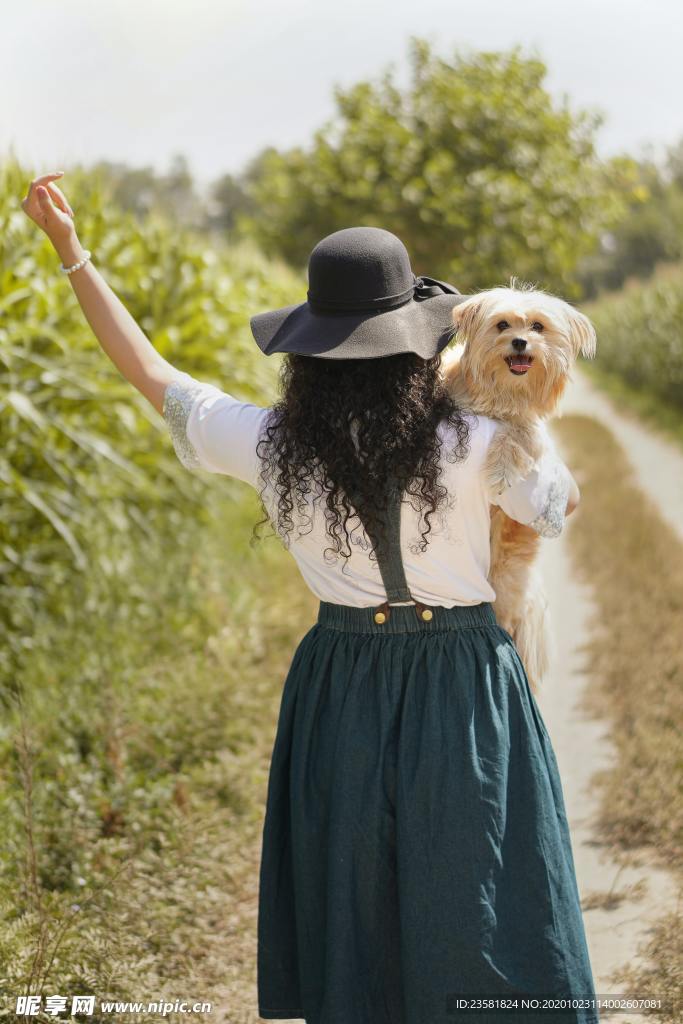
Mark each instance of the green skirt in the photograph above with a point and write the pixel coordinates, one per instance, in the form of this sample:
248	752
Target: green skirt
416	858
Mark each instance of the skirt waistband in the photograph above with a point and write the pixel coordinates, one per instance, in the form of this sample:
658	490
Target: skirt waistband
405	619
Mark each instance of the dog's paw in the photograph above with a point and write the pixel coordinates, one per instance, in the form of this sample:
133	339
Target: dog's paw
520	461
510	465
497	481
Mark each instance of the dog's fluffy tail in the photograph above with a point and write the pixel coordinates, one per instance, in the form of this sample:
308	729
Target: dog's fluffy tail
534	637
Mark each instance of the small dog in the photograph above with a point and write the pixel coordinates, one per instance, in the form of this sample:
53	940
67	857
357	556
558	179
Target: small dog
511	361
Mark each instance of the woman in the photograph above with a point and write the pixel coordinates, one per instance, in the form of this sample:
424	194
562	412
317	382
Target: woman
416	856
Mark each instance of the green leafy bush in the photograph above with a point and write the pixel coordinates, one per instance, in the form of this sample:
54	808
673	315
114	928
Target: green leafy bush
640	338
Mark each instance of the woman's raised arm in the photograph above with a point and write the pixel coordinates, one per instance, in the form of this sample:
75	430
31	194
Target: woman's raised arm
117	332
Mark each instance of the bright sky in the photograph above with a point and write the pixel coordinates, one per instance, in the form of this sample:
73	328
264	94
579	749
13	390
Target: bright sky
140	80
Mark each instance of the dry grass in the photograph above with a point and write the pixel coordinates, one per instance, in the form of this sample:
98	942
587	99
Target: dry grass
634	563
226	969
169	908
216	944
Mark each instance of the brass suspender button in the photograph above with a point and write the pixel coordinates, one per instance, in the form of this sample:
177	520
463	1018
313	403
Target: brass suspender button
427	614
381	614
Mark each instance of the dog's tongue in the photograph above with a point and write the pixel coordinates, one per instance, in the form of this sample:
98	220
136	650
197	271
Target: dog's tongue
518	364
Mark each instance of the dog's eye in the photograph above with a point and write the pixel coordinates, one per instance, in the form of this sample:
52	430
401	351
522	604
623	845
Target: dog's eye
537	326
502	325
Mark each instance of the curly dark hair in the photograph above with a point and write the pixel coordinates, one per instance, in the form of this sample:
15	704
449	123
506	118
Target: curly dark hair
397	408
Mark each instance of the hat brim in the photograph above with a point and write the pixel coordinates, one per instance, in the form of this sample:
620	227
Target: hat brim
423	326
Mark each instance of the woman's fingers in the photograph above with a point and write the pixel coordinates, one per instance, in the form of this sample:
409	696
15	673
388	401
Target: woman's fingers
44	208
46	204
60	198
42	180
30	202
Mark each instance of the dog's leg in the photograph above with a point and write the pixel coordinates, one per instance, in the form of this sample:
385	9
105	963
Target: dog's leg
520	605
507	459
533	634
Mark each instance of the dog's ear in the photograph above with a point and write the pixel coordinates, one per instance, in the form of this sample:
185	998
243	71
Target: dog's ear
582	333
465	316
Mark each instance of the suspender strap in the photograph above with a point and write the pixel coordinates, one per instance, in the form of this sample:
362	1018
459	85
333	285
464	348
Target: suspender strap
387	545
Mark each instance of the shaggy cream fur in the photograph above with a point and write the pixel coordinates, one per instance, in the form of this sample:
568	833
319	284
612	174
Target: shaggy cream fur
511	360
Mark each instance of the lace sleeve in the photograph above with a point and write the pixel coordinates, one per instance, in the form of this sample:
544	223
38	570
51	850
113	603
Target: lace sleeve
550	520
179	398
212	430
540	500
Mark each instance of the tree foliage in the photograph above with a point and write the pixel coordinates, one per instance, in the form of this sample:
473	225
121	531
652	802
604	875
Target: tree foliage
472	164
650	230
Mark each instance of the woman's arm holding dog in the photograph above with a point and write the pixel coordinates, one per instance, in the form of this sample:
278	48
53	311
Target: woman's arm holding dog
527	478
543	498
117	332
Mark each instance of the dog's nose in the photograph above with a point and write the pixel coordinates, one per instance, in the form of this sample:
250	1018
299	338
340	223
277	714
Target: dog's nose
519	344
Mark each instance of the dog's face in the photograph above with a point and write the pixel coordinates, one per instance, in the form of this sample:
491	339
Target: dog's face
519	346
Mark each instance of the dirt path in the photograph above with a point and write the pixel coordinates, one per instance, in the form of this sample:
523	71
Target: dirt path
658	462
582	745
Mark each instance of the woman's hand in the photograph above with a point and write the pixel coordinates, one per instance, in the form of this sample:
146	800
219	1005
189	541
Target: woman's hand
48	207
121	338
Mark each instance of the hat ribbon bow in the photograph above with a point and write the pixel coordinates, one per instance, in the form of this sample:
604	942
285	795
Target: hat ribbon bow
426	287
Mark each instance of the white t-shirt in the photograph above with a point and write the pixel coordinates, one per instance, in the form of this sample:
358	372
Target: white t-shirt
213	431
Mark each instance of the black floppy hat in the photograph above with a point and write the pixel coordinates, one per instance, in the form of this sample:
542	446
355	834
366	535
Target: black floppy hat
364	301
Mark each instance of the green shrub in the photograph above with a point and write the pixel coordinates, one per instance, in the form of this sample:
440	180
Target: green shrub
640	335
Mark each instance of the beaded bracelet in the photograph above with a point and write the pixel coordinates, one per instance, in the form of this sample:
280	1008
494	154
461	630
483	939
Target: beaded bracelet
77	266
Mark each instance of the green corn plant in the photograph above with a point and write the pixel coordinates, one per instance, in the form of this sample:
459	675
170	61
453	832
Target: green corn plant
116	564
77	442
